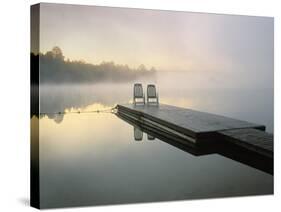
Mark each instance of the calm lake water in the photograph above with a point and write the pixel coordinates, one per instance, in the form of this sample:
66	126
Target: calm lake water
93	158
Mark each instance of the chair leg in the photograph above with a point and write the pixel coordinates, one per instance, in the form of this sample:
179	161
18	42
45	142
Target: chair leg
157	99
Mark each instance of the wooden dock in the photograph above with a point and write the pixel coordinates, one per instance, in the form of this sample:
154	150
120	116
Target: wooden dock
252	139
197	129
225	149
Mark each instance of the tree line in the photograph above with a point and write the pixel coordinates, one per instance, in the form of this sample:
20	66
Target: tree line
55	69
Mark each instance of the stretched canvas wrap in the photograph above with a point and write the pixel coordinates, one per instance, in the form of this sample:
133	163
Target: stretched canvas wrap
139	105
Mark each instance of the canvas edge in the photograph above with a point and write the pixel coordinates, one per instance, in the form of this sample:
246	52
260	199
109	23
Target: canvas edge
34	109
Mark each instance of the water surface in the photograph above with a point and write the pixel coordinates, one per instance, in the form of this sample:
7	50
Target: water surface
93	158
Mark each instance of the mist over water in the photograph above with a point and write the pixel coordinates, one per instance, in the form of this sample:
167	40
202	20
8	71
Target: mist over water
183	89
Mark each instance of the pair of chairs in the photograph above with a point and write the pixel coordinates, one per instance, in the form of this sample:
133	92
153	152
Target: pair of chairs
139	96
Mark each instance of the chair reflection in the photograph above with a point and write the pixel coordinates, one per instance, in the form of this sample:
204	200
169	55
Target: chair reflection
138	135
150	137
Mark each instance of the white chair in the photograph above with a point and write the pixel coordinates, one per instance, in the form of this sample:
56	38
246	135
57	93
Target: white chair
138	94
152	95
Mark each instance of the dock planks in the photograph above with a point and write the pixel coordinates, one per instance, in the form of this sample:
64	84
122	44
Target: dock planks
252	139
191	122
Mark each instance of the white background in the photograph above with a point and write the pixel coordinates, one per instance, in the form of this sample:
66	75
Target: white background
15	115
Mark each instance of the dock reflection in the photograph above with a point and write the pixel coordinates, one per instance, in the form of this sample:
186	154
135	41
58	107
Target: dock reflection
225	149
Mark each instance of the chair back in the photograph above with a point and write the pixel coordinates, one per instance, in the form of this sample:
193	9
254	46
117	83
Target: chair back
151	91
138	91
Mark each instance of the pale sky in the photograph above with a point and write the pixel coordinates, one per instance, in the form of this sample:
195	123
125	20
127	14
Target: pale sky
167	40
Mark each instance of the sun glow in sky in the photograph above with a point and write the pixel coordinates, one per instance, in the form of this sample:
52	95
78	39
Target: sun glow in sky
167	40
